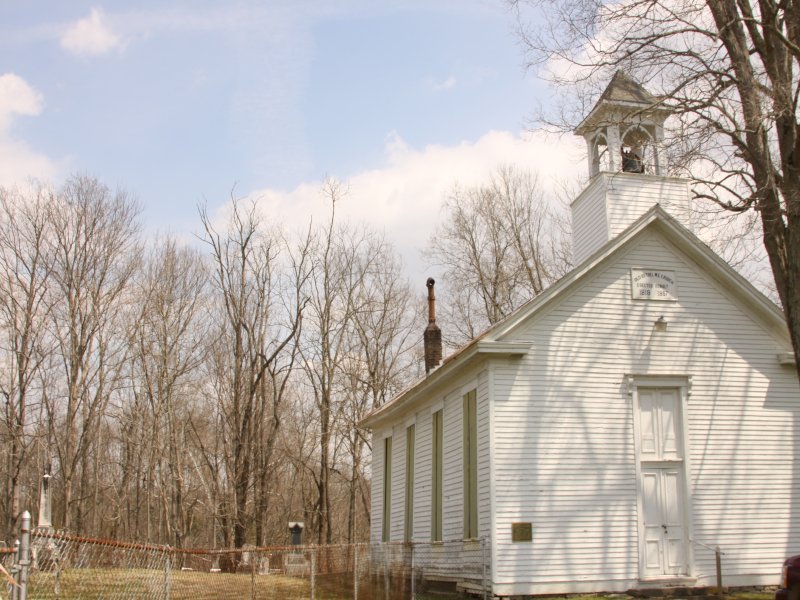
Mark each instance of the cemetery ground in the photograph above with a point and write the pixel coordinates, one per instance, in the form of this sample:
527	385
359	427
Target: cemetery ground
93	584
97	584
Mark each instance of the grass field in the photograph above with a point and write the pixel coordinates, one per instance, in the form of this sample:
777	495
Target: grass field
97	584
130	584
730	596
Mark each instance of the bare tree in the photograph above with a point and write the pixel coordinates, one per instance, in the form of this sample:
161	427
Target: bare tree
729	71
380	365
500	245
169	337
249	341
326	334
164	387
24	308
342	257
299	457
95	252
277	383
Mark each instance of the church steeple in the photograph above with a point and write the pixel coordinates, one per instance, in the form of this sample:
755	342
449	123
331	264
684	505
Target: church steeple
624	135
624	131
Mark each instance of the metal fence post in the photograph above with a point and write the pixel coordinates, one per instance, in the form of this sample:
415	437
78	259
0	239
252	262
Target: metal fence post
718	554
386	549
313	572
14	572
355	572
167	575
57	584
24	555
253	576
413	576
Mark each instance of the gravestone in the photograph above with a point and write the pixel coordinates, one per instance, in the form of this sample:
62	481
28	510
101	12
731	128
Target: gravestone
296	529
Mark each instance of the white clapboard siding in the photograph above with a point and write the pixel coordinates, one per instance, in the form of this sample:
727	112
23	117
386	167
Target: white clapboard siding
571	479
422	476
556	434
398	481
563	439
613	201
452	463
630	195
590	219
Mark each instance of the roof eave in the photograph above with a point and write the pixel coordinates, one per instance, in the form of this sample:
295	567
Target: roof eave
686	241
604	106
408	399
488	345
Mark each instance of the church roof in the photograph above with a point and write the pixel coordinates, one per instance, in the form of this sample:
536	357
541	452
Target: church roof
494	341
622	88
622	91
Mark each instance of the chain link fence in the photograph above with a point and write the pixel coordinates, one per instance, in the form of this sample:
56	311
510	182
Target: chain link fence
69	567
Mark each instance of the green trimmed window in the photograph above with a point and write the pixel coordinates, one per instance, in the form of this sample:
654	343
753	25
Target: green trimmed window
470	406
387	489
436	475
408	527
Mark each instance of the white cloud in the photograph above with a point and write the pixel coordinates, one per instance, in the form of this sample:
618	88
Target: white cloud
17	160
403	198
17	98
447	84
91	36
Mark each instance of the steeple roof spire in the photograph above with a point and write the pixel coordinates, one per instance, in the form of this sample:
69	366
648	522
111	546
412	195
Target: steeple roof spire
622	88
622	93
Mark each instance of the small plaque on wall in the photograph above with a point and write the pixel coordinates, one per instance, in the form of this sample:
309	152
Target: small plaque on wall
653	284
522	532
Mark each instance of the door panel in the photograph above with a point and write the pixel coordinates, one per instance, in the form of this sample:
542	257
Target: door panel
653	538
668	409
664	541
659	422
673	519
647	426
663	535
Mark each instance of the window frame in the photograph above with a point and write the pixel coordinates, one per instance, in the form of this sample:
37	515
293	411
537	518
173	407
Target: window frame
408	518
386	529
470	463
437	478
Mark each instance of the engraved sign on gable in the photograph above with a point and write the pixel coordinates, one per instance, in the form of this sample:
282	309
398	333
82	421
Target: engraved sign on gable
653	284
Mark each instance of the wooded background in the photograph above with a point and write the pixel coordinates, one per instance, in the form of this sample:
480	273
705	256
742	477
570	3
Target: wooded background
206	392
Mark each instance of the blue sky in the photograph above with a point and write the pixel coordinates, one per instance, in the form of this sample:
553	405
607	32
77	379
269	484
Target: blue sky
181	102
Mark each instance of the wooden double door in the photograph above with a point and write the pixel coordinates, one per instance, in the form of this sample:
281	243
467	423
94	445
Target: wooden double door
663	534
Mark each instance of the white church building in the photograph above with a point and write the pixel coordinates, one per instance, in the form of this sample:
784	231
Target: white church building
610	433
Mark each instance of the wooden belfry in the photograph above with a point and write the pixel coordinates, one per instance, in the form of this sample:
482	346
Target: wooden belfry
624	131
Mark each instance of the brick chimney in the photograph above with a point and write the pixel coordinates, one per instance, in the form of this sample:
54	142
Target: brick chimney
433	335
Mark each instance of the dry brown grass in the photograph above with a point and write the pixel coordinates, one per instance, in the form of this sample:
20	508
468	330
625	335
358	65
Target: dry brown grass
131	584
97	584
733	595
